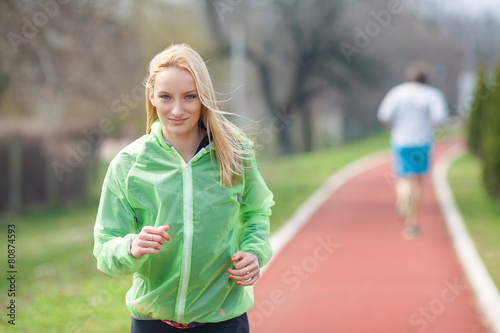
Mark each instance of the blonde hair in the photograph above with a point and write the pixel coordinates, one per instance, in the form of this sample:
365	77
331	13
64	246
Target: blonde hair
227	138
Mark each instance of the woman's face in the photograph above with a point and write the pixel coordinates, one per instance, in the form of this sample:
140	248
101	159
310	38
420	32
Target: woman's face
177	103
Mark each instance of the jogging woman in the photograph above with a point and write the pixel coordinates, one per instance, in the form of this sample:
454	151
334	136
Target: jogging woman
184	208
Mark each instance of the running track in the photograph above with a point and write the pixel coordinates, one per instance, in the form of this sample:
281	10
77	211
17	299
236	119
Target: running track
348	270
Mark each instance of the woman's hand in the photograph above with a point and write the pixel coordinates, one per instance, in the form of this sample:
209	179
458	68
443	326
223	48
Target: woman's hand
149	241
246	268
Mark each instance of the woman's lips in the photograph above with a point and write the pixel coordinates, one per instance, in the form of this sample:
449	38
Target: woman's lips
178	121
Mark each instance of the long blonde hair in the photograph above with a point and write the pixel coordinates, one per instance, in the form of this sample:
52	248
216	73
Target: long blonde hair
230	151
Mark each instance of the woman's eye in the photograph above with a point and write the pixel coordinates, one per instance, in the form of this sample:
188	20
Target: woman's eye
164	97
190	97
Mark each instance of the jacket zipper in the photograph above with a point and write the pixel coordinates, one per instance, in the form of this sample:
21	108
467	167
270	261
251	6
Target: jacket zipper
188	238
188	232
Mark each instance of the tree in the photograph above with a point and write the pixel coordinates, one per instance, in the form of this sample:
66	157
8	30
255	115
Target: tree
62	62
294	48
65	58
476	114
490	140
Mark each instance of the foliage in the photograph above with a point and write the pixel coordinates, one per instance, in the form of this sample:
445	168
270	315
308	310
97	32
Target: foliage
484	129
490	141
476	114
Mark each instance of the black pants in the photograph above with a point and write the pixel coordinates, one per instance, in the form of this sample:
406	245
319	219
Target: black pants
235	325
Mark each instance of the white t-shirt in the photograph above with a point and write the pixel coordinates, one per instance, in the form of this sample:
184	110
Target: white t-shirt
412	109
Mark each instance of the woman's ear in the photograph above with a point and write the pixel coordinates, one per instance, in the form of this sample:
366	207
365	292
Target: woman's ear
151	97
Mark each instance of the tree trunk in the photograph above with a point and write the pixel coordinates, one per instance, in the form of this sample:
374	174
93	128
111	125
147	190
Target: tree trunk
283	125
306	126
285	143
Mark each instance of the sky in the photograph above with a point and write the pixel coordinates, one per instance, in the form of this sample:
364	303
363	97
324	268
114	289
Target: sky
477	6
472	8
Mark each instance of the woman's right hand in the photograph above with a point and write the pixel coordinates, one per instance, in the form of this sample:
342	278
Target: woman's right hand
149	241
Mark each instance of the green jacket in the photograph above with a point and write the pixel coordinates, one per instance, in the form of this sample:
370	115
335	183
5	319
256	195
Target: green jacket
149	184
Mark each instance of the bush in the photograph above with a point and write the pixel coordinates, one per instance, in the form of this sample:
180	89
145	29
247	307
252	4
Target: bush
476	115
490	139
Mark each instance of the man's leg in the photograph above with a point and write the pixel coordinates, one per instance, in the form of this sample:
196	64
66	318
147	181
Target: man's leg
403	197
411	219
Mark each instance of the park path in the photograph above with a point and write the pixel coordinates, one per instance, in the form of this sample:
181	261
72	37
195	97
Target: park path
348	270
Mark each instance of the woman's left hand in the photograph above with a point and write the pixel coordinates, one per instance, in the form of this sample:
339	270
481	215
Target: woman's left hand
246	268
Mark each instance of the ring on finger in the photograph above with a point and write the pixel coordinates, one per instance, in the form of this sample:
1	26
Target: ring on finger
247	270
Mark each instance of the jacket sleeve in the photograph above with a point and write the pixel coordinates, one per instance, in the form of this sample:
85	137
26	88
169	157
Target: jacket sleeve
255	210
115	226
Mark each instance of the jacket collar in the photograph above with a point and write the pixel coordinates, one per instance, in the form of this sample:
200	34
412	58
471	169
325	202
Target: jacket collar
156	129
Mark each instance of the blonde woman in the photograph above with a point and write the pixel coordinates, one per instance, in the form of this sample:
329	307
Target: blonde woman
184	208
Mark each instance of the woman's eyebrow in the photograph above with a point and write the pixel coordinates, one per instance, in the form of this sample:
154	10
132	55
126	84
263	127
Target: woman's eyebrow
187	92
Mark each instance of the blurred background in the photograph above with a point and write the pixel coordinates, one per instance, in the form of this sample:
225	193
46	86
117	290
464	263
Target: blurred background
301	77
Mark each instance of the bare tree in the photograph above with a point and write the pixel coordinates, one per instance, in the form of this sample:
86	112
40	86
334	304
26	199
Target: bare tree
64	58
294	47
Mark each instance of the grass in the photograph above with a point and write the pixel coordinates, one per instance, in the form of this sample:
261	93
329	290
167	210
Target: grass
480	211
58	286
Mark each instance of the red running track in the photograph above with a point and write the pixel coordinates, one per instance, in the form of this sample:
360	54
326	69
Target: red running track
348	270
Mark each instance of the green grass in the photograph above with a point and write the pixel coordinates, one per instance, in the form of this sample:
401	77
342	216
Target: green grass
481	212
59	288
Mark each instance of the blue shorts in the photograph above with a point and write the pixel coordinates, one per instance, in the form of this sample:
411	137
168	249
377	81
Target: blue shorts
409	161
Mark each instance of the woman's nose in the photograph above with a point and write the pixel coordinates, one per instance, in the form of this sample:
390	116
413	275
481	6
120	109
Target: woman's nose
177	110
